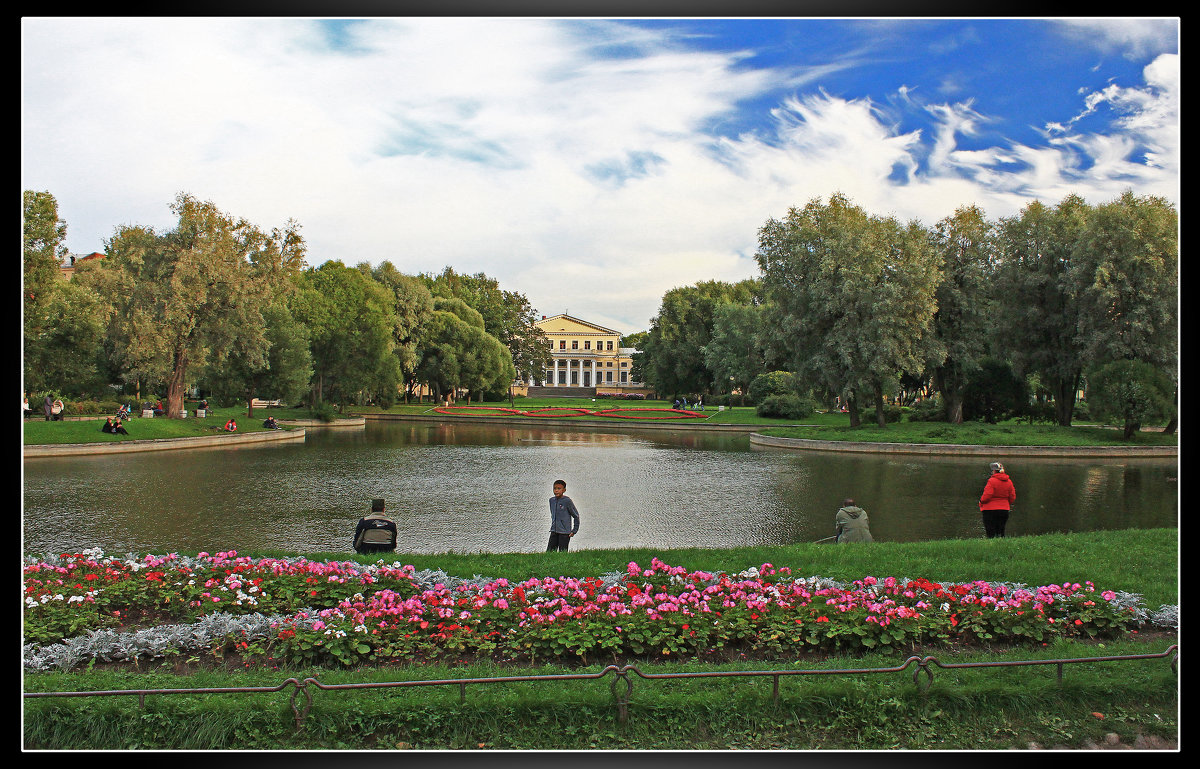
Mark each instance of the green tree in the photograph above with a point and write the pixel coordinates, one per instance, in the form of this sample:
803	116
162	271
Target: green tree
285	373
69	352
351	326
458	354
507	316
42	236
960	323
1127	263
851	297
1037	307
413	309
1131	392
735	353
187	297
673	353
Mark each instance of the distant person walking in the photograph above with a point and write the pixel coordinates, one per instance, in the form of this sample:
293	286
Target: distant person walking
851	523
562	513
996	501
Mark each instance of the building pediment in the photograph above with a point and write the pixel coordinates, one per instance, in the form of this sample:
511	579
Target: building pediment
567	324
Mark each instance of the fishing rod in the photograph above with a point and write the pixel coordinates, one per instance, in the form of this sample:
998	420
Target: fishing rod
826	539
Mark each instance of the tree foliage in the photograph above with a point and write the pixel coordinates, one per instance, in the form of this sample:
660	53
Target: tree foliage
186	298
673	352
351	329
851	297
963	243
1131	392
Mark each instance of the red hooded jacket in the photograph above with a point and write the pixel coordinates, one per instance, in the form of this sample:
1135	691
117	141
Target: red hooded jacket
998	494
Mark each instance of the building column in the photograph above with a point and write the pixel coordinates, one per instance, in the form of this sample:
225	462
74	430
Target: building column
594	382
554	382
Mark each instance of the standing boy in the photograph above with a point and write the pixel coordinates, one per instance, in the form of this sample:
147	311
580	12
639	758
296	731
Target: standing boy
562	511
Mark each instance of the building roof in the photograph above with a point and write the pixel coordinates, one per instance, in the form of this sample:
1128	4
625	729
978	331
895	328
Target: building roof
546	324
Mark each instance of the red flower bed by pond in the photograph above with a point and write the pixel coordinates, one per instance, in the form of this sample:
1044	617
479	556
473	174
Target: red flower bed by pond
569	411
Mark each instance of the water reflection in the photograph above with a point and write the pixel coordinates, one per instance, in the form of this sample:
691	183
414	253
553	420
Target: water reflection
484	488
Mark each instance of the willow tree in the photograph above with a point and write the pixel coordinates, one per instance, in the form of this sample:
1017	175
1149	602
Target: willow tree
1037	307
850	297
186	298
963	242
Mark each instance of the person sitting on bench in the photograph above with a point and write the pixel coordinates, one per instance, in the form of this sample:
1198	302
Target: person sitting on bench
375	533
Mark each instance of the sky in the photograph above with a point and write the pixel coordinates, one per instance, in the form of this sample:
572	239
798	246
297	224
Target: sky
591	164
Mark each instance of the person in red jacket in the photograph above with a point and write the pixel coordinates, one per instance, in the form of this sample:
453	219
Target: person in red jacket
996	502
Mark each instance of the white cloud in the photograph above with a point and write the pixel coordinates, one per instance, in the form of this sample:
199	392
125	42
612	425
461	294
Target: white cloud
507	146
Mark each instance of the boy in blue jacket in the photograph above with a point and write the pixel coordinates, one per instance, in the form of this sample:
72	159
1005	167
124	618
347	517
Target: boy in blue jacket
562	511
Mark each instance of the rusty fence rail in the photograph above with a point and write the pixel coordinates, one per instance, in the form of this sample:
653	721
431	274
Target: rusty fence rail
621	675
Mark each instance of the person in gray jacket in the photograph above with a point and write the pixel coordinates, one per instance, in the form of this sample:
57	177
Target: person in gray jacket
851	522
562	511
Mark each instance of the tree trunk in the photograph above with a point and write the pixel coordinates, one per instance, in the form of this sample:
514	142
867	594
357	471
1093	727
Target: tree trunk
954	407
1064	399
852	406
175	385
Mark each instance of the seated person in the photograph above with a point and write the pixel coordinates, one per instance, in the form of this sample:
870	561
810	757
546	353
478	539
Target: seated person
270	423
375	533
118	429
123	412
231	426
158	409
108	426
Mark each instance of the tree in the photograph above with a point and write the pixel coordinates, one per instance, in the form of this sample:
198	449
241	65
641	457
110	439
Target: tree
457	353
674	348
1131	392
734	354
1036	301
413	308
1127	264
42	236
351	329
187	297
994	392
507	316
283	375
963	241
850	297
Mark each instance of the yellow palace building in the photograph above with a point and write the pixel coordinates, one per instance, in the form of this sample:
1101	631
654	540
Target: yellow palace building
586	355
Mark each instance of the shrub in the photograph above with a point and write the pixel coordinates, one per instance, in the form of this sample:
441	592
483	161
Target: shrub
928	410
773	383
994	393
323	411
789	406
80	408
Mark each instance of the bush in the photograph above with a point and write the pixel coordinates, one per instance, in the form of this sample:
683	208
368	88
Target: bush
323	411
81	408
994	393
928	410
773	383
891	414
788	406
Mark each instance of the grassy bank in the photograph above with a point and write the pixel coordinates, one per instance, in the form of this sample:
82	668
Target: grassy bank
830	426
984	708
820	426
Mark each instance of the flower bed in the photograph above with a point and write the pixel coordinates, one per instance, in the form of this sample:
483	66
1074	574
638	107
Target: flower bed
570	411
348	613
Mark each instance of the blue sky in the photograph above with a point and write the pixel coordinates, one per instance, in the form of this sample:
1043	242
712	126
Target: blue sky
590	164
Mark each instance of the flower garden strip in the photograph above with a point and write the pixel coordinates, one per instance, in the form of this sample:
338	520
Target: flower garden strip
572	411
90	606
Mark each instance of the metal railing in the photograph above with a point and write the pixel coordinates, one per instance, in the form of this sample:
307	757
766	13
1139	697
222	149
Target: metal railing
621	675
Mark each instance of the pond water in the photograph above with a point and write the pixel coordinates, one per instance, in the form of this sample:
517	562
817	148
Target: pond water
463	487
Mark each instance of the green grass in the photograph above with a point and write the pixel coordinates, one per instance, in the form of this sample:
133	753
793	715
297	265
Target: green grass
827	426
979	708
39	432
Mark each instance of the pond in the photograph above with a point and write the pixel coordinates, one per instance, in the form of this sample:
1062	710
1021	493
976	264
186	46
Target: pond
484	488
